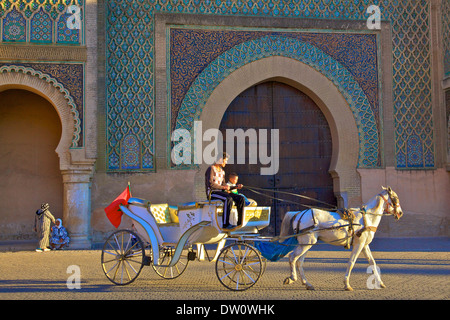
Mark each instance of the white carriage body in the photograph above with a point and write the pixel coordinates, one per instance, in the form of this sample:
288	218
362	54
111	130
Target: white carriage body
169	223
169	230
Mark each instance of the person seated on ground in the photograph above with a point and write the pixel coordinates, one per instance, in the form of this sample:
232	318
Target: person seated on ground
232	183
59	237
216	189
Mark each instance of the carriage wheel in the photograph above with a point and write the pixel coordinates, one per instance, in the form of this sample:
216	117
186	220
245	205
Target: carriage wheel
239	266
123	257
165	256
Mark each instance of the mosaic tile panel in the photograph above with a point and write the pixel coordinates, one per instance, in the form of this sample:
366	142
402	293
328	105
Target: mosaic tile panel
41	27
64	34
445	10
130	53
412	84
48	21
253	50
191	50
129	86
14	27
130	150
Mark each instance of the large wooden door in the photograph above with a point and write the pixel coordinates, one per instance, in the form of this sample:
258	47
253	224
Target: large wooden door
305	147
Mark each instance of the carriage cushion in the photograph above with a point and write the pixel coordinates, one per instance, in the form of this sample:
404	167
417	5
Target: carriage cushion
161	213
173	212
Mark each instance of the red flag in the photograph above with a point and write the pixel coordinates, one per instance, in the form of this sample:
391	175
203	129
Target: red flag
113	211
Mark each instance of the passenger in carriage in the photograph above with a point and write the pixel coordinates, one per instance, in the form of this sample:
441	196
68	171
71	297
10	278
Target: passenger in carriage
232	183
216	189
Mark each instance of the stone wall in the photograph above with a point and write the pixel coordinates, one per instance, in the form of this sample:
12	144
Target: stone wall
388	114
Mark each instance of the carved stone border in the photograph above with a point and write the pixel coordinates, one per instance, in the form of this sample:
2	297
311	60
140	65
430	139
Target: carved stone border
42	53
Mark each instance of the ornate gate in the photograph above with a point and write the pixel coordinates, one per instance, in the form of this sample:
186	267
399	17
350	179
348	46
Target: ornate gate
305	147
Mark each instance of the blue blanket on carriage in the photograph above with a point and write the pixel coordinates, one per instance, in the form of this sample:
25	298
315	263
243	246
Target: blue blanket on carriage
274	251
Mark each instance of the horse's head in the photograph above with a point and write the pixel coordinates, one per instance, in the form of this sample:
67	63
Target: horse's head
392	203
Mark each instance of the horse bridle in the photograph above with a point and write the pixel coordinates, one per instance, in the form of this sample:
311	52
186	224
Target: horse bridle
394	204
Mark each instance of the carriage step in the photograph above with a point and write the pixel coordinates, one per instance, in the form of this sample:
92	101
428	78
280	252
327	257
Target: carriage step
191	255
146	260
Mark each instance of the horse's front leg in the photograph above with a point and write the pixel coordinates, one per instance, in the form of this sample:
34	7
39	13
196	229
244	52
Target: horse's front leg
357	247
368	254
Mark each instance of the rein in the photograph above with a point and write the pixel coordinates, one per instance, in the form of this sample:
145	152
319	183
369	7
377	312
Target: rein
257	191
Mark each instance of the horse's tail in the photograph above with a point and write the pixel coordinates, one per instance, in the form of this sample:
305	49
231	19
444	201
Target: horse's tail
286	224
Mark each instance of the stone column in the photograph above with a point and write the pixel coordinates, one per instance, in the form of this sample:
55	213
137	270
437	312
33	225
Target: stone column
77	206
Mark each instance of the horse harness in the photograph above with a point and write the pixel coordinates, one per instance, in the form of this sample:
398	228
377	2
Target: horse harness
393	205
297	229
365	227
346	214
349	216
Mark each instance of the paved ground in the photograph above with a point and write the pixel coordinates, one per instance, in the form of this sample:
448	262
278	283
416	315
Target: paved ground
419	271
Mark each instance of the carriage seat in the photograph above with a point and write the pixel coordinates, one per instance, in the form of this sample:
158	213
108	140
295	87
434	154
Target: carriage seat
217	202
252	203
164	213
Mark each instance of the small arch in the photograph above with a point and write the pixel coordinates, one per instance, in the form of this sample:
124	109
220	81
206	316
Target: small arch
41	26
19	77
75	168
30	129
14	26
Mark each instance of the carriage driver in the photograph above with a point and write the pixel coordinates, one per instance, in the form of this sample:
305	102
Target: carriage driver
216	189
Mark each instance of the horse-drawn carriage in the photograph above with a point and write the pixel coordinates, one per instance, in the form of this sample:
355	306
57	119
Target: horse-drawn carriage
165	236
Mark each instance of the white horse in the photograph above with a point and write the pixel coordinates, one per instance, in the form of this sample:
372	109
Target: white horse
315	224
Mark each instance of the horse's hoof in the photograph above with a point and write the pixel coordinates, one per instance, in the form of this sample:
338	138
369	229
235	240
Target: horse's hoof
348	288
382	285
287	281
309	287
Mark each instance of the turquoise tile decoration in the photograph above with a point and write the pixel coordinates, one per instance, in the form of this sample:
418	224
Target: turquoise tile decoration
278	45
47	21
130	66
130	72
445	10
